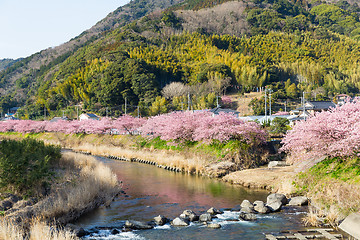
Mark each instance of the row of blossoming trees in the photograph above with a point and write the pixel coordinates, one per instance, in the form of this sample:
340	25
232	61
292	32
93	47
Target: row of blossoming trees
175	126
334	133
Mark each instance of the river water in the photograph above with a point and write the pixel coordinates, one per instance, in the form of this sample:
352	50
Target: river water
150	191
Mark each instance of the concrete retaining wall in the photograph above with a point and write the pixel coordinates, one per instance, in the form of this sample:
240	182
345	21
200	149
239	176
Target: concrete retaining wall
351	225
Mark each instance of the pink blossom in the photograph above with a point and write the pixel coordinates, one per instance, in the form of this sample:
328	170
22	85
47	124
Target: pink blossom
332	133
281	113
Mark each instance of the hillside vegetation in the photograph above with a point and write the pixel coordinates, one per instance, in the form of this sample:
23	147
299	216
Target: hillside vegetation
211	47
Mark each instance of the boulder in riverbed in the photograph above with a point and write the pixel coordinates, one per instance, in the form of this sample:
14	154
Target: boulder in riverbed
260	207
179	222
247	209
247	216
137	225
214	211
213	225
299	201
189	214
274	206
161	220
246	203
115	231
206	217
276	197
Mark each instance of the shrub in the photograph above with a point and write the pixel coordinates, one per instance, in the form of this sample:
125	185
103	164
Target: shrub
25	164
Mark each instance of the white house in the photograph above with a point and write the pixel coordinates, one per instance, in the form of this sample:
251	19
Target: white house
87	116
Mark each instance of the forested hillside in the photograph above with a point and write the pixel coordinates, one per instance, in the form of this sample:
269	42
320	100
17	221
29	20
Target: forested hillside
207	47
5	63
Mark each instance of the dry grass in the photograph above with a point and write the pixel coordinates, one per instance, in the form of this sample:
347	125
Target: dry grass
85	184
193	164
10	231
41	231
38	231
95	182
312	218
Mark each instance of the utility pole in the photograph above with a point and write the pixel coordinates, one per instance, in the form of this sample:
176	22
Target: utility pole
189	100
217	102
265	105
304	105
125	105
270	91
285	104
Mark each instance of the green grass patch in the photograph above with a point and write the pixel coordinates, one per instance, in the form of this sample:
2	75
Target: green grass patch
339	169
215	148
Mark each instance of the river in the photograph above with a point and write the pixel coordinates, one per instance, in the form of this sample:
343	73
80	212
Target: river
150	191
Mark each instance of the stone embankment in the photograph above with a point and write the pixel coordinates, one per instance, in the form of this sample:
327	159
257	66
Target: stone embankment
173	169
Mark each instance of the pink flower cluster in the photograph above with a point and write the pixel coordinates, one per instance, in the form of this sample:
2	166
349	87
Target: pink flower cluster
226	100
178	126
281	114
332	133
122	125
202	126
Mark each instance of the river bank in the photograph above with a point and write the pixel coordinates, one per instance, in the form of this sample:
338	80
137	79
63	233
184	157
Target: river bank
195	162
78	185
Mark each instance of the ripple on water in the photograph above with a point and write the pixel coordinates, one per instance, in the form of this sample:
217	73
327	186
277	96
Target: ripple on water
106	235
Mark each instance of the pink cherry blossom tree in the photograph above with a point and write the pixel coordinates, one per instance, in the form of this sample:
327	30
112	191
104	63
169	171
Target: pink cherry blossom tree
334	133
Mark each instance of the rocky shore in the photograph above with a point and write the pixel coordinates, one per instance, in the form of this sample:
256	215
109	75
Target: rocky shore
246	211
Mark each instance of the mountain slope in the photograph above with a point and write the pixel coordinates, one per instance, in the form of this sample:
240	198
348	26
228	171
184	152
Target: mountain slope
27	70
290	47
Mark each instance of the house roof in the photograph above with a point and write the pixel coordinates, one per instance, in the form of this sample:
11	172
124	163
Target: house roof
55	119
90	115
321	105
14	108
316	105
224	110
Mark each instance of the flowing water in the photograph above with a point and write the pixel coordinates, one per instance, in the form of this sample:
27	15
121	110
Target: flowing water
150	191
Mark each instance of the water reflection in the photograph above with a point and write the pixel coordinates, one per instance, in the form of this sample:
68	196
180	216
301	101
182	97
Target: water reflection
151	191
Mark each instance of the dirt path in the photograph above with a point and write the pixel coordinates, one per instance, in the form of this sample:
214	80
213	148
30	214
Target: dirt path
277	179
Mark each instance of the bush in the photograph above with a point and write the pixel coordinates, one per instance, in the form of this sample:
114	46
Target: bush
25	164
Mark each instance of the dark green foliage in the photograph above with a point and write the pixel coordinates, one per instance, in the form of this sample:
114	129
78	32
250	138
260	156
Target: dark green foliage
258	106
25	165
170	20
279	125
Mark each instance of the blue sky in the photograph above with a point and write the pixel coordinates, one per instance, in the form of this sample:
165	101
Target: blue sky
29	26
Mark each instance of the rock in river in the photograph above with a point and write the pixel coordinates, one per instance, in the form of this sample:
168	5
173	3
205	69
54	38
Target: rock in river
161	220
214	225
178	222
274	206
299	201
276	197
189	214
247	216
260	207
246	203
214	211
137	225
206	217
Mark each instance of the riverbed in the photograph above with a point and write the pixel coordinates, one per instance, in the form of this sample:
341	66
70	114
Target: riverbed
150	191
